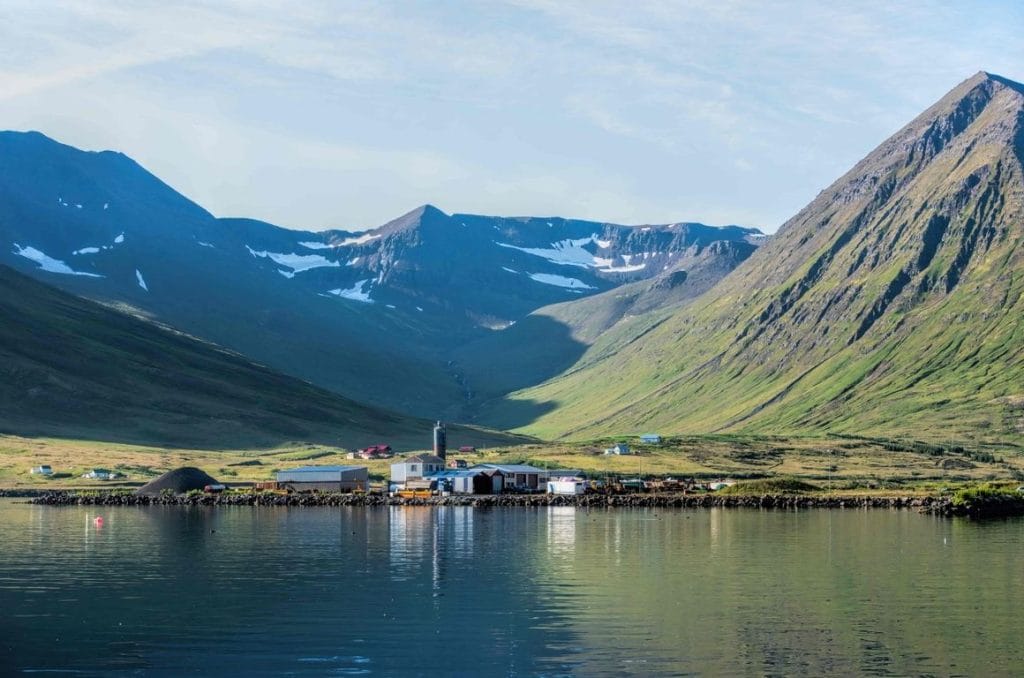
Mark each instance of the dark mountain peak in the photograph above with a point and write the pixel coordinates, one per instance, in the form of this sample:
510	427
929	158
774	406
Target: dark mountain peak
42	170
412	220
996	80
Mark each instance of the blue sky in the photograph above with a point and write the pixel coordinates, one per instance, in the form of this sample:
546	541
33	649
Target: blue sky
346	114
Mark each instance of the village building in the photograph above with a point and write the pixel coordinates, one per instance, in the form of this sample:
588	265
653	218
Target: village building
520	477
618	449
650	439
324	479
468	481
571	486
101	474
415	468
380	451
458	463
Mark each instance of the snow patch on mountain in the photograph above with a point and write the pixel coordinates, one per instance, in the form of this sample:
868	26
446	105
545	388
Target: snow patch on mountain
48	263
86	250
357	292
204	244
296	262
359	240
560	281
141	280
572	252
568	252
119	239
315	245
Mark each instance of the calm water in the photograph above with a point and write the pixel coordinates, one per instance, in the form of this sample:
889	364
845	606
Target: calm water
421	591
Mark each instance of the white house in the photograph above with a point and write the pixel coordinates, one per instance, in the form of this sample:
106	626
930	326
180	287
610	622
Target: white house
415	467
619	449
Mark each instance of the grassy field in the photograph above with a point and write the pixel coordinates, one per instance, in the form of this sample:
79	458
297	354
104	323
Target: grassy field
831	463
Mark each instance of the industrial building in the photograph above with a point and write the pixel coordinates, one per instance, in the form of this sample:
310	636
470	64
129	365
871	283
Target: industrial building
324	479
468	481
519	477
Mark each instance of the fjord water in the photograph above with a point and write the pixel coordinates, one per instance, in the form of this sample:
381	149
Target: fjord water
441	591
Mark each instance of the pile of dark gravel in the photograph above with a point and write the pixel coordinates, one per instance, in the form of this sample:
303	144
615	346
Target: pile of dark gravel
178	481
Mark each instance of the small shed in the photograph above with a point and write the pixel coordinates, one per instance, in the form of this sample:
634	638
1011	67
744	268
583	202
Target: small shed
324	479
650	439
567	486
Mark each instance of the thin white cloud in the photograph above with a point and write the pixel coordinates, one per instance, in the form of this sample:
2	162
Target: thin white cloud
322	112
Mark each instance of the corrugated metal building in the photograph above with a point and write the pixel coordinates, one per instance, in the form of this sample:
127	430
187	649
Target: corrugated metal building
324	479
519	477
469	481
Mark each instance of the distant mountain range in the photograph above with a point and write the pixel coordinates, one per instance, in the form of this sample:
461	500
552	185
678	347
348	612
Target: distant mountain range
892	304
395	317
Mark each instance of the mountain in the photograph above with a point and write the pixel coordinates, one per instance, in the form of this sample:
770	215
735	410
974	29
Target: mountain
892	304
72	368
381	317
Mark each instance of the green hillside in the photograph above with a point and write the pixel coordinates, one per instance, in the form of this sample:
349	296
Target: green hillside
551	339
891	305
73	369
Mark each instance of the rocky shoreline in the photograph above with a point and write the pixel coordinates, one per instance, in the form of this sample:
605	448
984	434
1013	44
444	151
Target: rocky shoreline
660	500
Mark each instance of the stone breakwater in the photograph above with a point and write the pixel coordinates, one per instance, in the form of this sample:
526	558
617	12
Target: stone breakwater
926	504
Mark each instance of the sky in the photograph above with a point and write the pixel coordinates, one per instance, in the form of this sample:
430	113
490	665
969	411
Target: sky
343	114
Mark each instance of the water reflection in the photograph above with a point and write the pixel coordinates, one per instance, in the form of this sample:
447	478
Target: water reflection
442	591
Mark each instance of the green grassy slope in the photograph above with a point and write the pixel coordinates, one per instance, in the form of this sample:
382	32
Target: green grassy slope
552	338
890	305
71	368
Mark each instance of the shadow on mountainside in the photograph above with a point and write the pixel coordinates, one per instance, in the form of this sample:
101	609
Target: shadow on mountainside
535	349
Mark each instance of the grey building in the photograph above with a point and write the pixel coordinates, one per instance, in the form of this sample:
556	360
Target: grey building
519	477
324	479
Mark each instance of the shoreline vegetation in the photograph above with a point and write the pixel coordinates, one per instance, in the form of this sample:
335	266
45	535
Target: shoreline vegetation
981	501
